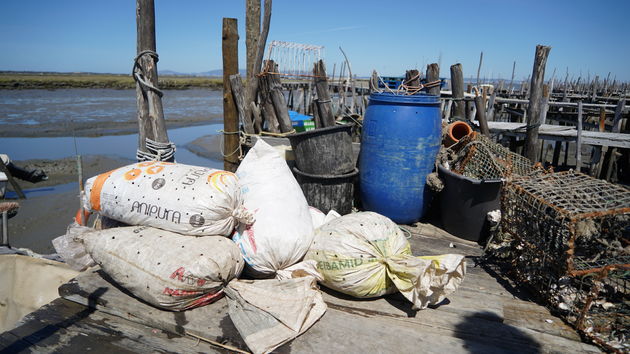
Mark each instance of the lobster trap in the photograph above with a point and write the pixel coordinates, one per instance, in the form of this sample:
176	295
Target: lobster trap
570	242
478	157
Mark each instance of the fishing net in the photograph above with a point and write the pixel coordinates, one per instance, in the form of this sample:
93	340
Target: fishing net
569	238
476	156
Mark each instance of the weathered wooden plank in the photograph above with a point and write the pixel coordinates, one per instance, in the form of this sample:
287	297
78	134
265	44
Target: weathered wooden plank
435	326
565	133
66	327
212	321
530	315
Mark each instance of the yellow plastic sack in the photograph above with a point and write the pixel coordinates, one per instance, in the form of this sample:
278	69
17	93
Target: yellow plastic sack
367	255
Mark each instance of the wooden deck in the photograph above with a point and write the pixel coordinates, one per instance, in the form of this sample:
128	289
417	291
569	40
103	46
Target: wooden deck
482	316
564	133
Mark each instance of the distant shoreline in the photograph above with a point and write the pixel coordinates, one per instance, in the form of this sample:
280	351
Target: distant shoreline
50	81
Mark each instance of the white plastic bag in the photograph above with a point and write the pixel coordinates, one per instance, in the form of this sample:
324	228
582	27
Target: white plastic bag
271	312
72	250
190	200
366	255
283	229
166	269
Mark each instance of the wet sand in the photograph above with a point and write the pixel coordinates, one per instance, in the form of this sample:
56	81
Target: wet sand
46	215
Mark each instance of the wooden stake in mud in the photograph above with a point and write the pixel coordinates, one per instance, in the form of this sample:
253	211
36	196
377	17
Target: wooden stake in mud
535	100
149	98
230	114
457	87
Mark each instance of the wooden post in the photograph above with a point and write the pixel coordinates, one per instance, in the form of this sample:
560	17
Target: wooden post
535	100
324	106
479	67
512	79
373	82
481	115
433	74
252	33
274	91
252	81
457	87
412	78
149	101
578	143
611	155
598	151
230	114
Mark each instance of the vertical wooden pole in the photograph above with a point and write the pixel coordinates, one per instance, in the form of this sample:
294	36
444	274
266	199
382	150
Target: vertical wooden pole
412	78
230	113
324	106
535	100
578	147
512	79
479	67
252	33
433	74
150	112
252	81
457	87
481	115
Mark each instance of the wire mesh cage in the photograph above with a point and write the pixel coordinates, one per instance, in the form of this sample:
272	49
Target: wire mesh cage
570	242
478	157
583	222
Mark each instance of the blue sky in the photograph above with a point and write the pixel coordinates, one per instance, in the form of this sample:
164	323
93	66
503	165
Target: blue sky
389	36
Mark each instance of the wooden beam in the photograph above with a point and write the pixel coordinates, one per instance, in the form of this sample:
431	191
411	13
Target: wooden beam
231	140
535	100
457	87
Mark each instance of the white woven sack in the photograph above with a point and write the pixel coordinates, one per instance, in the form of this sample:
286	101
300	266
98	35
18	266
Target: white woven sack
283	229
190	200
166	269
366	255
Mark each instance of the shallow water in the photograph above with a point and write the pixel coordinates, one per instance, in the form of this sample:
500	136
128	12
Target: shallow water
101	105
36	107
111	145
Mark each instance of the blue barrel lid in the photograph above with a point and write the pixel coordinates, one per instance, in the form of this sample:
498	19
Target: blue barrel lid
419	98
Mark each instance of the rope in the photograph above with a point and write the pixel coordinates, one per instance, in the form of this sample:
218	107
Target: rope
156	151
138	72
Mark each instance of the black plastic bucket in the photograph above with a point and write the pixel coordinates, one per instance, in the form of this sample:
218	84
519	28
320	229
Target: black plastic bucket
465	203
328	192
324	151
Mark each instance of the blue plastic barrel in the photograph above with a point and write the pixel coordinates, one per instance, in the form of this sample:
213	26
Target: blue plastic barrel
399	144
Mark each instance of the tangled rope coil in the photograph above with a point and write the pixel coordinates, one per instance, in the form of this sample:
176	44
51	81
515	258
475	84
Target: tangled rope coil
139	75
156	151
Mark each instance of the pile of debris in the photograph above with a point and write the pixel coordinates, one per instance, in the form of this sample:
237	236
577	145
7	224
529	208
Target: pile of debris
179	237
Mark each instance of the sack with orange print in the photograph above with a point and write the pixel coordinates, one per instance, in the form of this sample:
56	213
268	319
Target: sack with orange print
190	200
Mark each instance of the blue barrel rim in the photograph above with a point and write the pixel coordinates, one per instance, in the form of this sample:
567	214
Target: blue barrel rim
417	99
